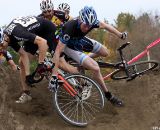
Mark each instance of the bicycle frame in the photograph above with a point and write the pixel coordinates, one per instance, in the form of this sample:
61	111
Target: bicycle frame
139	56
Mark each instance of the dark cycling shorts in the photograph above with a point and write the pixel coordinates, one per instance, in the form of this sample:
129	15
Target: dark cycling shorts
21	34
84	45
30	47
47	34
15	46
46	30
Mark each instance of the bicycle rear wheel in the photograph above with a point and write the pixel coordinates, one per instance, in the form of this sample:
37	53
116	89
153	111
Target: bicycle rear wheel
135	69
79	111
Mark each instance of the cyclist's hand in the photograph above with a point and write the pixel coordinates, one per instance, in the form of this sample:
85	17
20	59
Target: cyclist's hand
124	35
53	84
41	68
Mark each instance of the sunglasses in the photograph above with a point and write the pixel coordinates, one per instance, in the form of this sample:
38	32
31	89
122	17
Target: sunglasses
47	11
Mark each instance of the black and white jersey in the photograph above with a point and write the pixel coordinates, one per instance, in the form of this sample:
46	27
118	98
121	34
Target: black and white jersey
27	28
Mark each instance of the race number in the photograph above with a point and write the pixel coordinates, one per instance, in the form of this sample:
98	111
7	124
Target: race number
25	21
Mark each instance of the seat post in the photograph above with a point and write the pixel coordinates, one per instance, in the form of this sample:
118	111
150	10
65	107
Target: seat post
123	61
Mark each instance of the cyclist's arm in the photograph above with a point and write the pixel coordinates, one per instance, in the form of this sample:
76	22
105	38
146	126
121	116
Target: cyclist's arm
12	64
9	59
110	29
60	47
7	55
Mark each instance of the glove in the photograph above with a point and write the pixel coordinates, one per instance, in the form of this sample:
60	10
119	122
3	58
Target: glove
41	68
29	80
124	35
53	84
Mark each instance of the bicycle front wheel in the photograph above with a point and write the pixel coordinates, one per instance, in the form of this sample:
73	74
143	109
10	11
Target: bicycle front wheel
135	69
80	110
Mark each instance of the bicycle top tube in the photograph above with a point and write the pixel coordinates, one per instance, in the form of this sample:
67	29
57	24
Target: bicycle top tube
143	53
153	43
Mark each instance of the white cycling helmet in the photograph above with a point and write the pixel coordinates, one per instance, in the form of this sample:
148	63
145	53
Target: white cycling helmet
1	35
64	7
88	15
46	5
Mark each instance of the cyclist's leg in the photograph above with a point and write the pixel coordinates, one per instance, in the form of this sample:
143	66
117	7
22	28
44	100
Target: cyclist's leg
23	56
98	49
92	65
67	67
26	95
30	50
88	63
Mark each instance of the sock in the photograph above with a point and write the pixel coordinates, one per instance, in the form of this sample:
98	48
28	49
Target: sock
108	95
27	92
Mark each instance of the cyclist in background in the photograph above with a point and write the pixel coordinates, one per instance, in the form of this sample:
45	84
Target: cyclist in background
66	9
73	42
58	17
5	55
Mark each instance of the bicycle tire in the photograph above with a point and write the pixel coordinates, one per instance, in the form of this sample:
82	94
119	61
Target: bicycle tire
141	68
73	111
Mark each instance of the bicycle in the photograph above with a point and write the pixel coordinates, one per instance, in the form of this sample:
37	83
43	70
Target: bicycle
133	67
73	84
77	100
128	70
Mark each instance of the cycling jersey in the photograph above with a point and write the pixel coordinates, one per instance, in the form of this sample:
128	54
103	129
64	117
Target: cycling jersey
5	54
74	38
27	28
58	18
79	56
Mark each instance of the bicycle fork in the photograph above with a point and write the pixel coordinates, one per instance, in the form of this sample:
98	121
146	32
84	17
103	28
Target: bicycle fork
68	87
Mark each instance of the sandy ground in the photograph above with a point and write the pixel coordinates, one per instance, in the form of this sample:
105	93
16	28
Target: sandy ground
141	110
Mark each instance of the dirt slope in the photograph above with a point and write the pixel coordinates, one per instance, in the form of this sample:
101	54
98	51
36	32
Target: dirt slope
141	111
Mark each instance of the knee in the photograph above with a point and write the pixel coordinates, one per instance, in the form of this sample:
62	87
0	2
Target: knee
105	52
96	68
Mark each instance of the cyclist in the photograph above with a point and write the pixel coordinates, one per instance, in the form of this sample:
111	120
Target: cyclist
58	17
66	9
37	34
73	42
5	55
